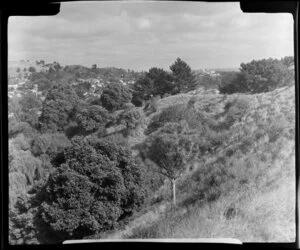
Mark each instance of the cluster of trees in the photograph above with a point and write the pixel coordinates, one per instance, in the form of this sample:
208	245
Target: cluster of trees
158	82
94	184
260	76
70	178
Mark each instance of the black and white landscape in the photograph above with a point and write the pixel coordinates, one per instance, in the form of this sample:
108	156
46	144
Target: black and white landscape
151	120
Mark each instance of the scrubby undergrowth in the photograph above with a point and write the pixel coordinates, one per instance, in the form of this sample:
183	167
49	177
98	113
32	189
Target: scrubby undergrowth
244	187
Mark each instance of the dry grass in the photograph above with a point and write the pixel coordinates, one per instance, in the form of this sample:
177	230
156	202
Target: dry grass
253	172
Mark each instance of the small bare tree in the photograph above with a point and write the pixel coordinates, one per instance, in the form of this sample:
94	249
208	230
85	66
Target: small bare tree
171	148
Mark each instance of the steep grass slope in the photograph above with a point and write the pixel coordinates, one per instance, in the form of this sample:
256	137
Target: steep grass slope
244	187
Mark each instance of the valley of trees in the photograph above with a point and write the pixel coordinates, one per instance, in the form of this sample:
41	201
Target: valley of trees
84	158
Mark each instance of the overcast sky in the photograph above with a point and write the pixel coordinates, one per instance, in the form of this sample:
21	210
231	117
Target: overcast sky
141	35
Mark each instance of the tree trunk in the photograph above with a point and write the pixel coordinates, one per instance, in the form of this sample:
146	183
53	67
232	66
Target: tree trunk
174	192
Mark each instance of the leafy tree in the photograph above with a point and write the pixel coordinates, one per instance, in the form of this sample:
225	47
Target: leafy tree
41	144
24	162
96	184
142	90
18	70
183	77
57	66
20	142
171	148
57	108
49	143
29	102
131	118
226	78
259	76
288	61
153	83
30	106
24	168
25	114
161	80
18	186
15	127
47	146
82	88
115	96
43	84
31	69
91	118
14	108
25	224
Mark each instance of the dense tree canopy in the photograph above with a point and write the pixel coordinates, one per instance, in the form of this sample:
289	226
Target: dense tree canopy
96	183
72	169
153	83
288	61
49	143
30	106
182	76
158	82
115	96
57	108
82	88
31	69
24	168
25	108
15	127
260	76
43	84
91	118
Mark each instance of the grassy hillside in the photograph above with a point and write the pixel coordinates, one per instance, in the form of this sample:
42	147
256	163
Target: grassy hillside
244	187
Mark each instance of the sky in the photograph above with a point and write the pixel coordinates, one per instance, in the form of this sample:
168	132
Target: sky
141	35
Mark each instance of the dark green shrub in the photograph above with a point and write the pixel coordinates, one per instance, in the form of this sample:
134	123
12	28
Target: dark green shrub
58	108
115	96
131	118
15	128
91	118
259	76
50	144
96	183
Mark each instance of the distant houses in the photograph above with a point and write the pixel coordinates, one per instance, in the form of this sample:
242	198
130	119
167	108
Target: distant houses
207	72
